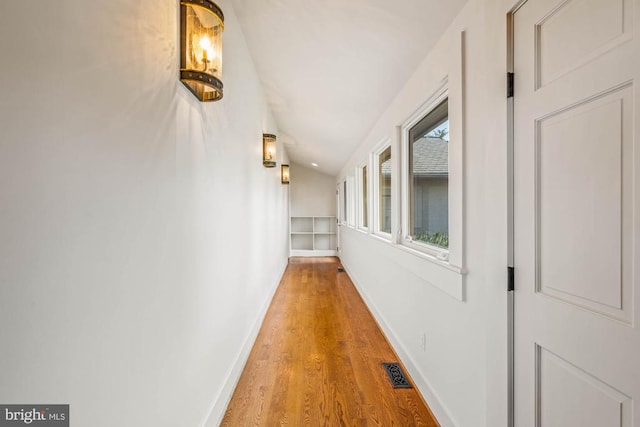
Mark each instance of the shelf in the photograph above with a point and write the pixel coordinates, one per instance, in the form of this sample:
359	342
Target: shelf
302	242
324	224
313	236
301	224
324	242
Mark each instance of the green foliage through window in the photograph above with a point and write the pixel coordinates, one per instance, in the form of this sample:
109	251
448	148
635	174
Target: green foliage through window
438	239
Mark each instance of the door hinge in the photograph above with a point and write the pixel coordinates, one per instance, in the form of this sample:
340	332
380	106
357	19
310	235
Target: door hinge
510	279
509	85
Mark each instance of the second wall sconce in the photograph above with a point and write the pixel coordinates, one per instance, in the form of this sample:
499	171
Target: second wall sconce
284	172
268	150
201	26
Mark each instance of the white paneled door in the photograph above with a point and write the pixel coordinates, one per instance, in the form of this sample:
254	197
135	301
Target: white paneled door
577	213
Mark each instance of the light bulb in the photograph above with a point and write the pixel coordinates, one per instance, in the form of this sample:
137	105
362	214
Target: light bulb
205	43
207	49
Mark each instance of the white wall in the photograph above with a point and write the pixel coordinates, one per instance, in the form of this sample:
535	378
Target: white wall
462	372
129	215
312	193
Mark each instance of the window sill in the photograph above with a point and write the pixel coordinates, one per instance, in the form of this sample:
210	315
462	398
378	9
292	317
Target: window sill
437	273
383	237
431	258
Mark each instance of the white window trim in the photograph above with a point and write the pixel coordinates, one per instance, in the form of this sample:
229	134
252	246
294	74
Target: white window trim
433	101
453	256
344	205
375	205
360	196
448	276
351	208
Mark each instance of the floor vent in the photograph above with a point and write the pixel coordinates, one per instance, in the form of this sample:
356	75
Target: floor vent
396	375
340	270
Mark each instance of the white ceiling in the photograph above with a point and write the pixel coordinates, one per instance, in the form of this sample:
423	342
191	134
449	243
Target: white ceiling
329	68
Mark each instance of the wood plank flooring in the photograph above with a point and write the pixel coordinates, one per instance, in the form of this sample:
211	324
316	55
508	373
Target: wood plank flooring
317	360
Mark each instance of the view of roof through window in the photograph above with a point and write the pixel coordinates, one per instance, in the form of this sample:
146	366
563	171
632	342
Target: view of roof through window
429	178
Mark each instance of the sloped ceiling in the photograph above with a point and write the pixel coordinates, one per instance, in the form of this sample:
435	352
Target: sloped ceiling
329	68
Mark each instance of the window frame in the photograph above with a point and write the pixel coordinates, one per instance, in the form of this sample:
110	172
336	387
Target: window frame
344	205
351	193
361	202
446	275
375	205
440	95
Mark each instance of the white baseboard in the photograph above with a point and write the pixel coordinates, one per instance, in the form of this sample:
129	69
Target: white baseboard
312	253
217	411
439	410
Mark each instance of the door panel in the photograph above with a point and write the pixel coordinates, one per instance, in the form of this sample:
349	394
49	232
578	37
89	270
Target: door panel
579	168
565	390
577	31
576	213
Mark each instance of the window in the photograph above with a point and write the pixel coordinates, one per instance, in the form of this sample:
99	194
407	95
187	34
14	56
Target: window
428	178
412	186
344	201
384	191
363	221
362	186
351	206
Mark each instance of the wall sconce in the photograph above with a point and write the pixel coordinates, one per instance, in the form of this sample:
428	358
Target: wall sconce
284	172
268	150
201	26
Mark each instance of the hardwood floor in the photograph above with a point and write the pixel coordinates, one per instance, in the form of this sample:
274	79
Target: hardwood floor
317	360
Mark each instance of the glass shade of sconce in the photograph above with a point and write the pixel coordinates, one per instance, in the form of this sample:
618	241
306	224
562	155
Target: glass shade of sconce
284	172
268	150
201	27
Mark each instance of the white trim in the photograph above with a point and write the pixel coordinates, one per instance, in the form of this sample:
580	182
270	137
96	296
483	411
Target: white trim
396	186
511	392
457	165
313	253
380	148
351	205
452	88
360	196
438	96
338	224
343	203
313	230
510	226
437	273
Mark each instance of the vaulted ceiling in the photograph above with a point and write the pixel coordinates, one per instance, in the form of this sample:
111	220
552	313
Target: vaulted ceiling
329	68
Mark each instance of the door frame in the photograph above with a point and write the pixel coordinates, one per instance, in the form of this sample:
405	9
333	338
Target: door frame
510	54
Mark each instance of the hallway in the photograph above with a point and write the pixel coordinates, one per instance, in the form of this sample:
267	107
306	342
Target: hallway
317	360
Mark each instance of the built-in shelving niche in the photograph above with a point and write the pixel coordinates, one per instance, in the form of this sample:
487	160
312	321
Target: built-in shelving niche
313	236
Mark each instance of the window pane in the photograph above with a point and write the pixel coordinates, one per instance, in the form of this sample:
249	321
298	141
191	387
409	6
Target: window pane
429	178
344	201
384	178
365	219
